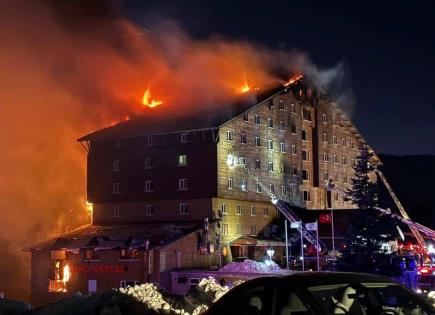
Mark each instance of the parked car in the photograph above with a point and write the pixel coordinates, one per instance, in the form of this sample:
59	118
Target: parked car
321	293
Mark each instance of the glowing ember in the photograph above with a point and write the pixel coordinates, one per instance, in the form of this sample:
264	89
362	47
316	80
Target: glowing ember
147	101
293	79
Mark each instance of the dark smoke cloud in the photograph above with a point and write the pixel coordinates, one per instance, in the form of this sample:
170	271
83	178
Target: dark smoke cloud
70	67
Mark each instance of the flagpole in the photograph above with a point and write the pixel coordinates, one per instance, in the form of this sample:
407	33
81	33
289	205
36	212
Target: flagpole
317	246
332	233
286	243
302	247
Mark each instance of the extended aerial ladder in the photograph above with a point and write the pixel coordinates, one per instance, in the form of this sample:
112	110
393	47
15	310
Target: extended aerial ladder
281	205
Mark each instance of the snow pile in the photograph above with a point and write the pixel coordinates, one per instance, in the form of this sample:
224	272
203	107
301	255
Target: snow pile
251	266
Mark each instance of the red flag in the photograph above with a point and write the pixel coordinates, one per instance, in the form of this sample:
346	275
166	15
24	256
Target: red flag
325	218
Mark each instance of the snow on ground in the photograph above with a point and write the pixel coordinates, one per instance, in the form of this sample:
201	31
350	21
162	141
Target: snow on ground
251	266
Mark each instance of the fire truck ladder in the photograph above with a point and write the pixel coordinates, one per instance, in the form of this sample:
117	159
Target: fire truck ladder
282	206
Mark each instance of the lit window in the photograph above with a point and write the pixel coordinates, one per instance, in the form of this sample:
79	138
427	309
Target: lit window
306	194
270	166
148	163
282	146
293	149
257	141
243	138
224	229
304	135
281	126
116	212
281	104
324	119
239	210
224	208
253	230
257	119
325	137
270	144
292	108
182	160
149	210
246	117
257	187
149	186
116	189
305	175
150	140
116	165
305	155
117	144
184	137
183	184
253	211
184	208
257	164
229	135
243	186
230	184
325	157
270	122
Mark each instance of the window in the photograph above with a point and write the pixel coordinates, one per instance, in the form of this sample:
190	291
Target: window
116	212
126	283
230	184
239	209
183	184
150	140
266	211
89	254
243	186
116	189
253	211
325	157
306	194
149	210
281	104
148	163
306	114
325	137
182	160
283	190
257	164
293	149
304	135
184	208
325	176
270	166
272	187
284	168
229	135
281	126
117	144
334	140
257	141
92	286
224	229
257	119
295	171
343	142
184	137
343	160
305	175
282	146
293	129
292	108
224	208
336	177
305	155
242	160
334	158
245	117
270	122
270	144
116	165
243	138
149	186
257	188
253	229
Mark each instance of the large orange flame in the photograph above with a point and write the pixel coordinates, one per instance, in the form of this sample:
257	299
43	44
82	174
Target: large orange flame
293	79
147	101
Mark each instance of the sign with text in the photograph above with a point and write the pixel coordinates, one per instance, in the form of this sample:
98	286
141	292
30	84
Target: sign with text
100	268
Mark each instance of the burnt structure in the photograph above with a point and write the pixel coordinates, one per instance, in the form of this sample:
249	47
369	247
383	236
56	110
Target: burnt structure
172	173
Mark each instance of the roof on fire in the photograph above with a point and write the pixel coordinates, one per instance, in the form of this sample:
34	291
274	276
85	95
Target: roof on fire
119	236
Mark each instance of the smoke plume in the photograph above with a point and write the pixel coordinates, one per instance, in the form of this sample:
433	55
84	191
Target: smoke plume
70	67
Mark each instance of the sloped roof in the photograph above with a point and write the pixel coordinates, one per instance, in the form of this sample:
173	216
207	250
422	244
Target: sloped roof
158	121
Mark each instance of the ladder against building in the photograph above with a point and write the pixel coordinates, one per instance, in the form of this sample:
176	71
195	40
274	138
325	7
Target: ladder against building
281	205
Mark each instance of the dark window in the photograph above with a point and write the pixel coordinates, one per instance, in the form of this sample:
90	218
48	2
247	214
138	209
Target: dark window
257	164
243	138
305	175
304	135
270	122
306	114
281	104
246	117
257	142
257	119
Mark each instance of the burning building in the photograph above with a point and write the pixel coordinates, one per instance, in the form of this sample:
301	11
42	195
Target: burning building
165	196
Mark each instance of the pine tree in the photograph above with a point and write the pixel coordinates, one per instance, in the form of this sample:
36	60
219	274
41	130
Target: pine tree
364	190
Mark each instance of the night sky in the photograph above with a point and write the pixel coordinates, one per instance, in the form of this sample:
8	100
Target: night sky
387	49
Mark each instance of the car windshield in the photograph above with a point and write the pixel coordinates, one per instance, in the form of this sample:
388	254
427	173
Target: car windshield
367	298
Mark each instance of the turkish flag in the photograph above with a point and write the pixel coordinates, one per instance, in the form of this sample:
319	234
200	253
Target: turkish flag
325	218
